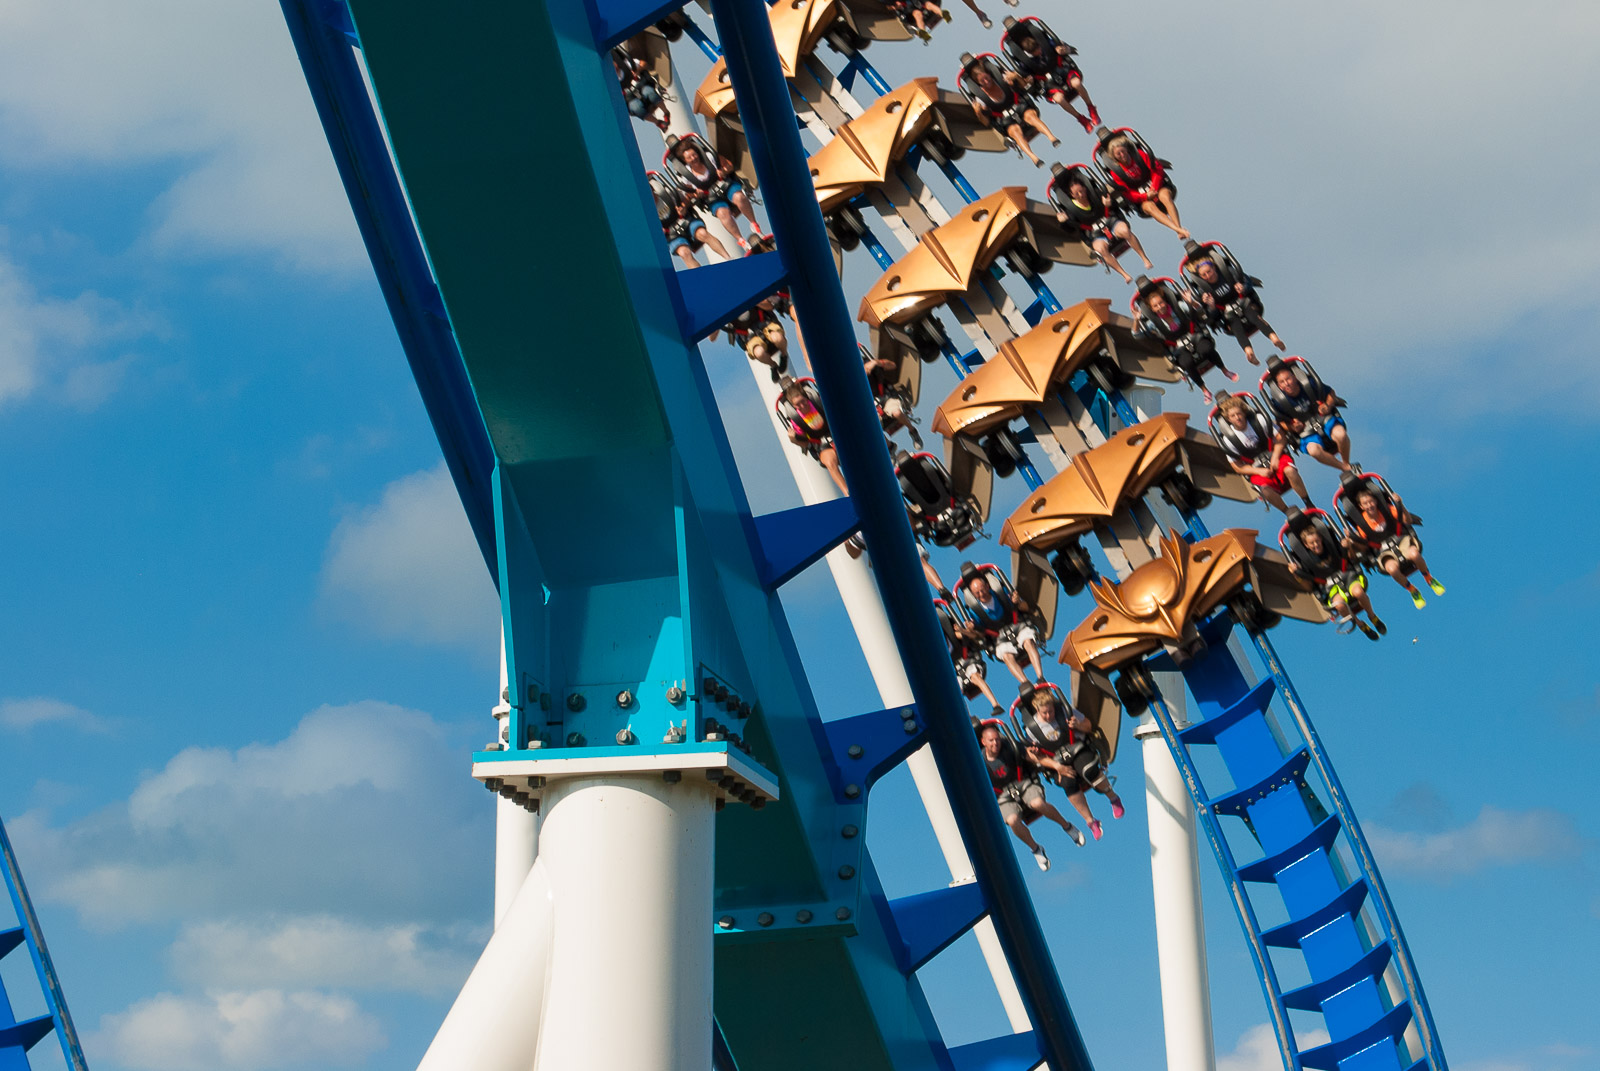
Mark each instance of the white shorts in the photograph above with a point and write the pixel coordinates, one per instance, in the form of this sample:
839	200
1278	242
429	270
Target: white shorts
1012	643
894	408
969	670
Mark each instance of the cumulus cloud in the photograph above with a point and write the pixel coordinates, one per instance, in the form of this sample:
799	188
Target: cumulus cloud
21	714
323	951
363	811
238	1031
55	344
212	88
409	568
1257	1049
1495	838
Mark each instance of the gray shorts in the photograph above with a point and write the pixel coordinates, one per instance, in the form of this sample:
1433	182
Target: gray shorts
1017	795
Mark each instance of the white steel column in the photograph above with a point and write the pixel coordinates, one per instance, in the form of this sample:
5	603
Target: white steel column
1175	874
516	829
494	1023
629	859
858	590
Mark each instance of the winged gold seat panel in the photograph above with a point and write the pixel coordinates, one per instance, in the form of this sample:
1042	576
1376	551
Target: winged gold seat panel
1098	484
1159	602
946	259
864	149
1026	370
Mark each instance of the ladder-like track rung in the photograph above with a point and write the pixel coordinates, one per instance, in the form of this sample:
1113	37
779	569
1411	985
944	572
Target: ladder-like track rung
1348	902
930	922
1266	870
1254	702
1390	1027
1290	772
793	540
27	1033
1009	1052
1369	966
10	939
713	294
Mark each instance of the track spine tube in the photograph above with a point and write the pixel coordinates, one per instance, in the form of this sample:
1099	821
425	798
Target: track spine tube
780	160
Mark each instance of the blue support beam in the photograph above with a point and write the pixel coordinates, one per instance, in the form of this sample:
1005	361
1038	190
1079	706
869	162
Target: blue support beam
780	160
323	37
1009	1052
17	1037
930	922
868	746
793	540
713	294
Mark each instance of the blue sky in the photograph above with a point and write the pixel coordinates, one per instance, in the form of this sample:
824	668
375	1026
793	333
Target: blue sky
247	644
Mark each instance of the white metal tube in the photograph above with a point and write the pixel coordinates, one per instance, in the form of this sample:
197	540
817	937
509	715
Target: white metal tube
516	830
1175	875
629	859
494	1023
858	590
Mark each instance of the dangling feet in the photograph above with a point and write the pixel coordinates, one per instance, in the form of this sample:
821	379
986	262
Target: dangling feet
1094	116
987	25
1250	355
1087	122
1377	623
1094	828
1276	341
999	711
1117	809
1232	376
1366	629
1416	597
1438	588
1042	859
1077	835
947	16
927	39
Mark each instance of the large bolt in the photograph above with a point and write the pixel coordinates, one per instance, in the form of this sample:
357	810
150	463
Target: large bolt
848	831
855	751
758	803
802	916
910	726
624	699
674	694
575	739
672	777
765	919
744	709
852	791
725	922
492	783
625	736
576	702
533	693
847	872
843	914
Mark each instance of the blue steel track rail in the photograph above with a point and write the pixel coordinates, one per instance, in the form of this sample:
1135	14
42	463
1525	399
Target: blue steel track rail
1346	967
17	1037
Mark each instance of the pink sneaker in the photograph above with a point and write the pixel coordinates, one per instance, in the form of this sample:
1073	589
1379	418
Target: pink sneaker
1118	810
1094	827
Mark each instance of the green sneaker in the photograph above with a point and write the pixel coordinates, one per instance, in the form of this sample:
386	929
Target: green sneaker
1417	600
1438	588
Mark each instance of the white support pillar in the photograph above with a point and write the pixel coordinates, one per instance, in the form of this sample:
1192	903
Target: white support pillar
516	829
629	860
494	1023
1175	875
858	590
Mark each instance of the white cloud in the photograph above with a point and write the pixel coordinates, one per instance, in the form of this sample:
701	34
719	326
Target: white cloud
22	714
1495	838
238	1031
323	951
409	568
211	86
1257	1049
364	811
50	343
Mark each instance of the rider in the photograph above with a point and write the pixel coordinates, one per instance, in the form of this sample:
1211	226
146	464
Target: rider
1082	201
918	12
1382	529
710	179
1230	296
1046	61
800	407
1005	618
893	399
1057	737
1307	410
967	648
1258	451
1139	176
1003	103
685	231
640	92
1016	785
1317	554
1180	328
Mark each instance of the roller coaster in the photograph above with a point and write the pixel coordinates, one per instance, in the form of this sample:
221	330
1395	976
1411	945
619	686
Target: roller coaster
677	823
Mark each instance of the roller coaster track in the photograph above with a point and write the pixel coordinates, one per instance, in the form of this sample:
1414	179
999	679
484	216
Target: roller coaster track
18	1036
1341	921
